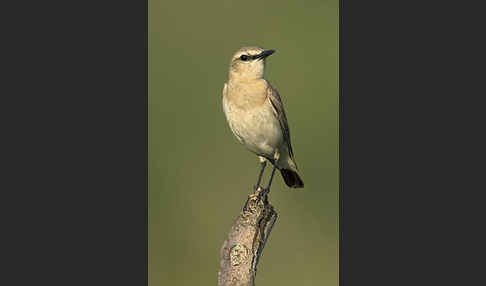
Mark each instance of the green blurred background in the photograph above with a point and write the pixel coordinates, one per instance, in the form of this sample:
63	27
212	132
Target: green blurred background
199	176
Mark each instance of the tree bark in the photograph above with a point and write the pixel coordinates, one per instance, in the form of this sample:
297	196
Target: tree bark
242	249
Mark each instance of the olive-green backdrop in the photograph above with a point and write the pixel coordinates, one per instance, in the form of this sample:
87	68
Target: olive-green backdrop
199	176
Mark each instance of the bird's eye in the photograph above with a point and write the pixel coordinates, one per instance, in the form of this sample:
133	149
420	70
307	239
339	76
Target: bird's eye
244	58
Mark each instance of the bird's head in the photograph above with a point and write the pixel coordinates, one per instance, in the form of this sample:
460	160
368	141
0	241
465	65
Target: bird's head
249	63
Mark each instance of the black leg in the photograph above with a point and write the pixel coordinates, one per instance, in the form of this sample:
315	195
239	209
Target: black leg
264	163
267	189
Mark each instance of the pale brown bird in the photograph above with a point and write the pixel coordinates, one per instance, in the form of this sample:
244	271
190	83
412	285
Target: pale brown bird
256	115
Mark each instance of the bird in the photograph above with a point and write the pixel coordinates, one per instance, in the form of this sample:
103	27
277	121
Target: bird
256	116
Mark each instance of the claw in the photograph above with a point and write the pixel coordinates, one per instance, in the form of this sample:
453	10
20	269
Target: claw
263	194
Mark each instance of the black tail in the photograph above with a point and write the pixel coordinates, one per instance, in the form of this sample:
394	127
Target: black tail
291	178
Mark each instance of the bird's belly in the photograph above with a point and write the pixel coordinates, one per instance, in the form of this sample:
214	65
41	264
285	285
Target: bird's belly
257	129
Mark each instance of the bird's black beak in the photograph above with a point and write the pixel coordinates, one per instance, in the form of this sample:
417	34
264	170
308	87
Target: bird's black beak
265	54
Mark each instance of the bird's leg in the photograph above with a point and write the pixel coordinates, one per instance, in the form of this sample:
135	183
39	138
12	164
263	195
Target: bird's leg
267	189
263	162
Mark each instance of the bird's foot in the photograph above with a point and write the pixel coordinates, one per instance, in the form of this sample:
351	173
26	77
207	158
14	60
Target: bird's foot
263	194
265	191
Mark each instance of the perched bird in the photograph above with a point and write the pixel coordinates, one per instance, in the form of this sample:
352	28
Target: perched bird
256	115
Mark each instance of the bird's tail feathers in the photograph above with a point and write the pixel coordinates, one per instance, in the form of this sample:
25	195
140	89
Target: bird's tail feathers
291	178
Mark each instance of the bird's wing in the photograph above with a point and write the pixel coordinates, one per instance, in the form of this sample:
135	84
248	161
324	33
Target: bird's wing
280	114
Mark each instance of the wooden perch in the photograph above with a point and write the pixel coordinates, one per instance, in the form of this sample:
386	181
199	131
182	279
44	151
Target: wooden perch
242	249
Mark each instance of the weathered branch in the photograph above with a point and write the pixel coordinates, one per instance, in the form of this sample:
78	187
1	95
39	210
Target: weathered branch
242	249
